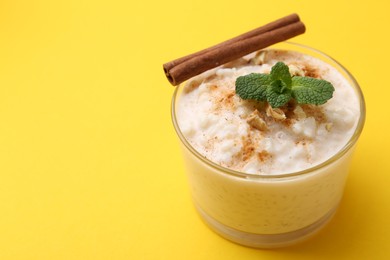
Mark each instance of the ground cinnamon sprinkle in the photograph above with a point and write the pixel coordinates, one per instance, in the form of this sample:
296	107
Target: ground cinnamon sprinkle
248	148
264	155
213	87
226	101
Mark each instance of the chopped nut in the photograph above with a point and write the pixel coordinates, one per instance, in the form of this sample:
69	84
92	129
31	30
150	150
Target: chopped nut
296	71
259	58
328	126
256	121
298	111
276	113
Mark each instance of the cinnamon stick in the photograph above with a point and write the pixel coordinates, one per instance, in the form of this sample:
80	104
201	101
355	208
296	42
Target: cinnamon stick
268	27
191	65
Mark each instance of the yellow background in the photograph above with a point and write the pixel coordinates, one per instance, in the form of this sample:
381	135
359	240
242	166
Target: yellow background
90	166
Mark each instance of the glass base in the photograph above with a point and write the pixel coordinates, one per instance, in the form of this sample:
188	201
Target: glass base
266	240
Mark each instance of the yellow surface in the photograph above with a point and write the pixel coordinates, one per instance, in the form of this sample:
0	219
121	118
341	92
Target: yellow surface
90	166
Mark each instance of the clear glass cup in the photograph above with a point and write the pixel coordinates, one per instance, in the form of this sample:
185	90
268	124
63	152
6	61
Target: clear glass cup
268	211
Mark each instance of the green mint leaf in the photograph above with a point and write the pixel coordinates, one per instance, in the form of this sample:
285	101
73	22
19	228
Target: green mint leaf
281	72
252	86
307	90
276	96
279	87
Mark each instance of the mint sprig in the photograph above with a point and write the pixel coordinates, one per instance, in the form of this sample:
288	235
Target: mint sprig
279	87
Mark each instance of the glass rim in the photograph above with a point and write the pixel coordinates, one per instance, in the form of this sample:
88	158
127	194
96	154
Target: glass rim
351	142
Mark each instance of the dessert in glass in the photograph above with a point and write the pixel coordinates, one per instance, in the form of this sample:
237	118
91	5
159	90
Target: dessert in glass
262	176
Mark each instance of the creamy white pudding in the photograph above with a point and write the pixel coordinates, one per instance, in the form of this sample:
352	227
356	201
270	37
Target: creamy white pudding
250	136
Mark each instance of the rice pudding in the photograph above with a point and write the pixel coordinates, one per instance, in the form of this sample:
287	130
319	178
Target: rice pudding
260	176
